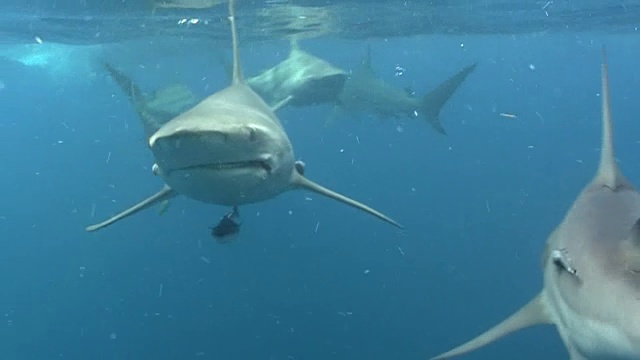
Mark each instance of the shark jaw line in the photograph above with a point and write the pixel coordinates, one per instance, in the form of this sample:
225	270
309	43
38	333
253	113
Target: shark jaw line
259	164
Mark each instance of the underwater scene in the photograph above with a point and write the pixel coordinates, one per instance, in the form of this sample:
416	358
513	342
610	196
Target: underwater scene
319	179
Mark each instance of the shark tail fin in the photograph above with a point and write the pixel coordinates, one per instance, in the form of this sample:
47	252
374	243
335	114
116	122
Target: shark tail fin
299	181
127	85
436	99
534	313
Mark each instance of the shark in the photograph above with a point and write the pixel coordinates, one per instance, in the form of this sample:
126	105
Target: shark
591	267
230	149
157	108
365	92
308	79
302	77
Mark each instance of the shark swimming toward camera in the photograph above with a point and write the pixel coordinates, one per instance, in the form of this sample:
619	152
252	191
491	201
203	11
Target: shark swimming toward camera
591	267
230	149
365	92
302	78
308	79
156	109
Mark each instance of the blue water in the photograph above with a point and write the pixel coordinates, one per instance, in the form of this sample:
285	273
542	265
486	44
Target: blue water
307	278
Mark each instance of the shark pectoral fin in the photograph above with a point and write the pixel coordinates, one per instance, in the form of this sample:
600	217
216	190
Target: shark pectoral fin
575	355
300	181
433	102
165	194
282	103
533	313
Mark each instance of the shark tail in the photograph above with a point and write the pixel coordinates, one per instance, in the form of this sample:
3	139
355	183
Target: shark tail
436	99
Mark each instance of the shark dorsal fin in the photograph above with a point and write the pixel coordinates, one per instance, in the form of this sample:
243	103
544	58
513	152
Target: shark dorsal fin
608	172
294	45
237	71
534	313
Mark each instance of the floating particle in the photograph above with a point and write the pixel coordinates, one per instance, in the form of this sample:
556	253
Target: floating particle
510	116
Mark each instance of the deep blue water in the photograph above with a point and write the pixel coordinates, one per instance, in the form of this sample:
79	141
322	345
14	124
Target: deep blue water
477	204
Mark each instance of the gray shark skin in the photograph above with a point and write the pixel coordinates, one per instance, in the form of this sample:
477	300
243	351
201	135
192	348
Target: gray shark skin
591	268
302	78
157	109
308	79
366	93
230	149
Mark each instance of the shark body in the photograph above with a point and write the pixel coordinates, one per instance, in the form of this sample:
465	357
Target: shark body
591	268
365	92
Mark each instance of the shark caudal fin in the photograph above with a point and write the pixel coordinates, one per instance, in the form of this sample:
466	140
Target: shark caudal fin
436	99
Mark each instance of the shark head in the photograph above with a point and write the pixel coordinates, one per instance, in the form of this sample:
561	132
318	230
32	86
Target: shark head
307	79
591	268
225	154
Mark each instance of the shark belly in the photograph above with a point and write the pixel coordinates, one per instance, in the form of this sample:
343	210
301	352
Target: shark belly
588	337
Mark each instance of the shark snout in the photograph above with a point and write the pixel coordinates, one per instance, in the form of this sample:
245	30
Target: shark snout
177	138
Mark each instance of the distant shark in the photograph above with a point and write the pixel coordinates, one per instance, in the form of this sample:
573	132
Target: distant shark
365	92
230	149
591	267
156	109
303	78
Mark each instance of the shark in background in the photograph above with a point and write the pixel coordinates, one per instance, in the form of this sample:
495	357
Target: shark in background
230	149
302	78
365	92
157	108
591	267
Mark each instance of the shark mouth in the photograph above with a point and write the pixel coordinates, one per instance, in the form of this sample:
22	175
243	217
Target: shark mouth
256	164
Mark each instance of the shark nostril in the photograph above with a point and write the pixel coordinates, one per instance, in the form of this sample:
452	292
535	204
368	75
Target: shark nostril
266	166
252	134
